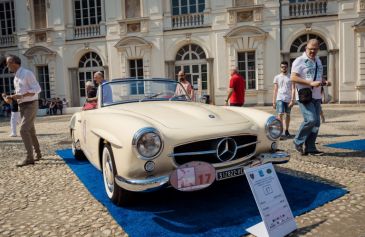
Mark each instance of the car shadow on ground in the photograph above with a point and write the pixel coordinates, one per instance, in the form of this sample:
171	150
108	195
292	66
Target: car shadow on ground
165	195
228	203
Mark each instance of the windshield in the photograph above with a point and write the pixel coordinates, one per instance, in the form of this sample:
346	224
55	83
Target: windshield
140	90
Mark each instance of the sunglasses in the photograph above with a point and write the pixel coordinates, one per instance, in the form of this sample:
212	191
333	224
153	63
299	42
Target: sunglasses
312	49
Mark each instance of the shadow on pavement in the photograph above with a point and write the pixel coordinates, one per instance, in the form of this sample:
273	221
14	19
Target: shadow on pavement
341	121
12	141
308	176
307	229
337	135
346	154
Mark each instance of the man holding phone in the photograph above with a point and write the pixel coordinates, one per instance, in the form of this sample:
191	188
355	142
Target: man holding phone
307	71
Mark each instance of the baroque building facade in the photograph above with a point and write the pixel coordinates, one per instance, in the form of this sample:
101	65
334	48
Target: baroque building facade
65	42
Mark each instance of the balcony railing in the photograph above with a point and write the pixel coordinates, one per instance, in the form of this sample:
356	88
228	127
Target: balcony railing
307	9
188	21
82	32
7	41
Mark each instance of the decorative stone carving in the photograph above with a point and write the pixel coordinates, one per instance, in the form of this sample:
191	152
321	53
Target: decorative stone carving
361	5
244	16
257	14
123	28
232	17
133	27
144	26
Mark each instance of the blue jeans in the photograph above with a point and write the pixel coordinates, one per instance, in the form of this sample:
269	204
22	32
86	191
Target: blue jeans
308	130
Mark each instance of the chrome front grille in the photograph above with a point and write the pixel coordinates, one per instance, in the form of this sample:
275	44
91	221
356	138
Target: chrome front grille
214	150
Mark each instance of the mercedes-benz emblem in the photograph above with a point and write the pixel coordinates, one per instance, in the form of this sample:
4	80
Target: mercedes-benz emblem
226	149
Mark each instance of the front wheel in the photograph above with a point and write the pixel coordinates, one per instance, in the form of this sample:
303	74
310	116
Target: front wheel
115	193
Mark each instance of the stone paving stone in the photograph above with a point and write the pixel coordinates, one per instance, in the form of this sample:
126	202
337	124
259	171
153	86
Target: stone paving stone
47	199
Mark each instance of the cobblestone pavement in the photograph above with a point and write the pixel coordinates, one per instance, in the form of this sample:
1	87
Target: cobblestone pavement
47	199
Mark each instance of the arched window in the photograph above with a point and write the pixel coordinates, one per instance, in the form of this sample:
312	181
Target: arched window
6	81
191	59
298	47
299	44
88	65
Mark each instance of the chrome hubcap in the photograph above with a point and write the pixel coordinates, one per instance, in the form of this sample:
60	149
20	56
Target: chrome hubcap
108	172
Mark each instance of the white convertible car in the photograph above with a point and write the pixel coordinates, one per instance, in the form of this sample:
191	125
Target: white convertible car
148	134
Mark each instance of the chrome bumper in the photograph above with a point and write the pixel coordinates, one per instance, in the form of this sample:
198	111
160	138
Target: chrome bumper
275	158
154	183
142	185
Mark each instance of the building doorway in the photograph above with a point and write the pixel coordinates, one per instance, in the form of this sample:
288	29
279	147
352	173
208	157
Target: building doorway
88	65
192	60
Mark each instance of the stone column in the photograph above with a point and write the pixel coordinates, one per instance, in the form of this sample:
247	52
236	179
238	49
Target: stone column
285	56
211	85
332	75
74	87
170	69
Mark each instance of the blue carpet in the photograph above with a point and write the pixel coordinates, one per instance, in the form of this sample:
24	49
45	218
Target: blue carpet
357	145
224	209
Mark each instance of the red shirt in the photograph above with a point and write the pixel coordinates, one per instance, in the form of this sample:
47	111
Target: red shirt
238	83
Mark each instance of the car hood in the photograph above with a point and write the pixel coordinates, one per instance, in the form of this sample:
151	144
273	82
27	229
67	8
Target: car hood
182	114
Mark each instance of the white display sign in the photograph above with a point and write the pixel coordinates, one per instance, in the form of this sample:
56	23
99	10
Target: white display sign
278	219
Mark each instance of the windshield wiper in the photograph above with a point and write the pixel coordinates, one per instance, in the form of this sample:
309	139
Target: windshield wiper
150	96
179	97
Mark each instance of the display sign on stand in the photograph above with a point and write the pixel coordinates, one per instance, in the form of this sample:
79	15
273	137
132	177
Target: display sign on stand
277	217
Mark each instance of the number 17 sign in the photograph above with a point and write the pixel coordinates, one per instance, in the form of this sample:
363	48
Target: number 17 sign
192	176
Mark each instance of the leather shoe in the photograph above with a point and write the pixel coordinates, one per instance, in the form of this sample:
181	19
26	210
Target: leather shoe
24	163
299	148
315	153
38	158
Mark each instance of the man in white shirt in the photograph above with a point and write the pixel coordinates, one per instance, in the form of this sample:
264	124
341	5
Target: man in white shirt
107	95
282	96
26	93
307	71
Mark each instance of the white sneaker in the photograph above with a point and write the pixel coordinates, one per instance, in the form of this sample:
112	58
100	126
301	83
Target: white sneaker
12	135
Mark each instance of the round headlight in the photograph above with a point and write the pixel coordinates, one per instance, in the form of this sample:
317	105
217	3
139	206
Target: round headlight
273	128
147	143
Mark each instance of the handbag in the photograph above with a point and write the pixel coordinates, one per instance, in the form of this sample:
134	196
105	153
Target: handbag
305	94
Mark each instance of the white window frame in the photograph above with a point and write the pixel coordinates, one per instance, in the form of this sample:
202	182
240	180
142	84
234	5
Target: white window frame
245	72
8	27
5	75
37	15
89	12
90	57
140	8
43	79
188	5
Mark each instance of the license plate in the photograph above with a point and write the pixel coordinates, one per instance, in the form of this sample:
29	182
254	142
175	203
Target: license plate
230	173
